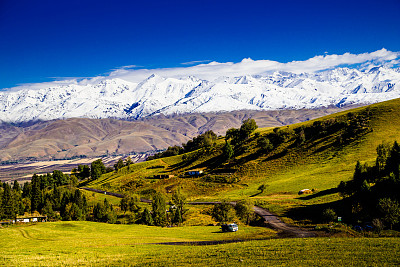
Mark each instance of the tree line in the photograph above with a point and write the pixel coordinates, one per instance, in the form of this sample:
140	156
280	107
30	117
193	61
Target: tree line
203	141
373	194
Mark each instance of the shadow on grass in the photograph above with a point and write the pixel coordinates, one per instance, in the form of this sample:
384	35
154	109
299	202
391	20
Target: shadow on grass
320	194
313	213
256	194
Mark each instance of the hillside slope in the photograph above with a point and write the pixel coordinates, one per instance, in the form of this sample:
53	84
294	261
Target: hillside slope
326	156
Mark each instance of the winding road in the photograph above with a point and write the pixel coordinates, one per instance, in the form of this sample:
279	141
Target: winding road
272	220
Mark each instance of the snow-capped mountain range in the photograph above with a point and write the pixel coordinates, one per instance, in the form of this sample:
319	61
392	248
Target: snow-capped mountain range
118	98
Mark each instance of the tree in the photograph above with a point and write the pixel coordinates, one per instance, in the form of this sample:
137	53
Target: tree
119	165
72	212
247	128
245	210
147	219
99	213
84	171
179	200
390	209
36	197
8	204
223	212
159	210
227	150
59	178
124	204
97	169
265	144
16	187
383	152
328	215
48	209
128	161
231	133
177	218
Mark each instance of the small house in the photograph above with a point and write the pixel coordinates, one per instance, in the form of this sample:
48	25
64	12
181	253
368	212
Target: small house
29	219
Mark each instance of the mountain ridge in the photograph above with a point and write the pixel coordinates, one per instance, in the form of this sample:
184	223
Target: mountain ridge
121	99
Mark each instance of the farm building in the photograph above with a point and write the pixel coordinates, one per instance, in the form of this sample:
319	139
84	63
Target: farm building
28	219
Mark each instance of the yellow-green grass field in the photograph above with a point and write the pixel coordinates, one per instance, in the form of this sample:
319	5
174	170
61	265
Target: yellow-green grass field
99	244
317	164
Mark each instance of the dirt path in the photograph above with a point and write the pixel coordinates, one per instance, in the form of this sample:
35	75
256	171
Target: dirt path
272	220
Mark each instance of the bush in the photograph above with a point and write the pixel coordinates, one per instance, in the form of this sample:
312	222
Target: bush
328	215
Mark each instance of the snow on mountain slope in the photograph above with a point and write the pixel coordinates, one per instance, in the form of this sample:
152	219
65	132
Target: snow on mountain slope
118	98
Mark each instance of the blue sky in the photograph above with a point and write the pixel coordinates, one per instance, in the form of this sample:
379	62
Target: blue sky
45	40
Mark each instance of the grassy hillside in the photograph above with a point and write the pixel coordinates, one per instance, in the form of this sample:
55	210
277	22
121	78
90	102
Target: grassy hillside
99	244
326	156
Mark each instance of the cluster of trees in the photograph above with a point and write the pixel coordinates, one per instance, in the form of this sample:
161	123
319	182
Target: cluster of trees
94	172
373	193
225	212
161	213
204	141
234	137
104	212
52	194
45	195
237	136
349	126
120	163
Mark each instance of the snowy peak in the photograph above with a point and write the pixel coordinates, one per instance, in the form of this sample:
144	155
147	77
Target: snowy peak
118	98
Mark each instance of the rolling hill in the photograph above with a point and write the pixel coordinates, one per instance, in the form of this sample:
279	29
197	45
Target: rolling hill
83	137
326	156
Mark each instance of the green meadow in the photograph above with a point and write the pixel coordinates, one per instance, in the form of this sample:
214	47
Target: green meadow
100	244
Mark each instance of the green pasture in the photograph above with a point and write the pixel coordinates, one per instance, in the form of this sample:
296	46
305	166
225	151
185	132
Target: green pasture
99	244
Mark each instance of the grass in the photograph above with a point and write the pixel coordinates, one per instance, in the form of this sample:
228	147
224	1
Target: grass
98	244
318	164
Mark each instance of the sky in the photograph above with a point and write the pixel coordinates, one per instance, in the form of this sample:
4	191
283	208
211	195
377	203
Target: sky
44	41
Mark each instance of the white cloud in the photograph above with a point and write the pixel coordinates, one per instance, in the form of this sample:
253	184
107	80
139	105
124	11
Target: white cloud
247	66
195	62
213	70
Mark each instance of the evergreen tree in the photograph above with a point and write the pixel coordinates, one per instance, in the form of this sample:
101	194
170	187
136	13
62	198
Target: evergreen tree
16	187
177	218
36	198
227	151
9	209
159	210
59	178
179	200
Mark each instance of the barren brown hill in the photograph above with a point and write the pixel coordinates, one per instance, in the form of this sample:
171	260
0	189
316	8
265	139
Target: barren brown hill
61	139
